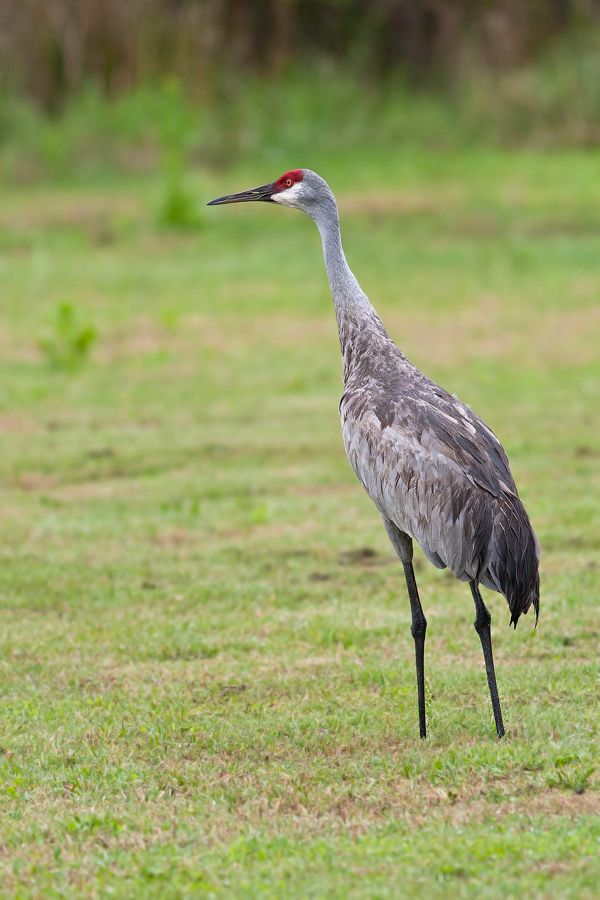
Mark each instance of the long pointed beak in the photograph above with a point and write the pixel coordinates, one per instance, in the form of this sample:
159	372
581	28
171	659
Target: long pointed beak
264	193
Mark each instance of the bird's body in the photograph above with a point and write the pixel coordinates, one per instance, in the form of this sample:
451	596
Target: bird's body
434	470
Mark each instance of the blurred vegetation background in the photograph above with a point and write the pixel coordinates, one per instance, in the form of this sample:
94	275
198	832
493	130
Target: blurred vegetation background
89	85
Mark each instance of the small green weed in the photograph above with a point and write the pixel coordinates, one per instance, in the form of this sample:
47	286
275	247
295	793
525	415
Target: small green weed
71	341
177	208
571	777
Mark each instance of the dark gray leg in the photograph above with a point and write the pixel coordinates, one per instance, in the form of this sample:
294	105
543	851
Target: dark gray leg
482	627
402	544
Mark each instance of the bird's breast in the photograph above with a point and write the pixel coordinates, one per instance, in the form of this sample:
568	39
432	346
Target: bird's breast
368	447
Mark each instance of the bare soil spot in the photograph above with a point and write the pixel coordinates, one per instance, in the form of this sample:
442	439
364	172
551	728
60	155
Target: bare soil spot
59	210
547	802
390	203
175	537
488	329
586	452
319	576
356	809
363	556
36	481
95	489
18	423
310	662
221	335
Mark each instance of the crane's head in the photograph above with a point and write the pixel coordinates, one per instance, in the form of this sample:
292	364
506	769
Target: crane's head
299	188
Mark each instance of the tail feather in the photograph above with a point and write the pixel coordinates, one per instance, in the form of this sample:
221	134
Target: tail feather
513	563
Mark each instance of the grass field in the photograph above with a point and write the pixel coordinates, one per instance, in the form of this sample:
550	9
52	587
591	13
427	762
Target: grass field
207	666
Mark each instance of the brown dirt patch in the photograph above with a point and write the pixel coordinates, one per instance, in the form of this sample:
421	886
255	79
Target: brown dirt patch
487	329
547	802
60	210
17	423
98	489
223	335
367	557
391	203
176	537
340	808
36	481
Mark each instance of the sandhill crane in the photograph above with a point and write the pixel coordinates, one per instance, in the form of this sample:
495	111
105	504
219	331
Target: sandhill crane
436	473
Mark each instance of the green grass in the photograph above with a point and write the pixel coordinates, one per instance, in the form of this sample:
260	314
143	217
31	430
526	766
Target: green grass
207	666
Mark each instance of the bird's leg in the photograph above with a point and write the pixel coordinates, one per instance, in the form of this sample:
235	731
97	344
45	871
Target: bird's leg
482	627
418	629
402	544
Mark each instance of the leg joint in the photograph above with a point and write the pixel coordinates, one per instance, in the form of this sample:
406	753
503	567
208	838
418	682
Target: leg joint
419	626
483	619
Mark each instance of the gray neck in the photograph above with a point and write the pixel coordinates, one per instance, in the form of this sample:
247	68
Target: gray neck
354	312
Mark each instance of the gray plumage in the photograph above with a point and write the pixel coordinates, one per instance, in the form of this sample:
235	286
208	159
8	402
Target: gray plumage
430	465
434	470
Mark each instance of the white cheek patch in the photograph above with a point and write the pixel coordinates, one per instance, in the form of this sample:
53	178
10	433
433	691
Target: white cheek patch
290	196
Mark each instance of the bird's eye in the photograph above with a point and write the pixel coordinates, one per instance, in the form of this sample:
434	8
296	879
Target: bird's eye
288	182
